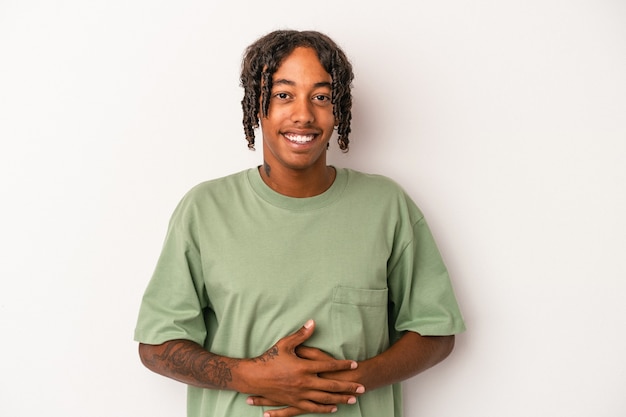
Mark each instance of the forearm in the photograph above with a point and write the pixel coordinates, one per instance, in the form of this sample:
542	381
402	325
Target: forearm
190	363
409	356
278	375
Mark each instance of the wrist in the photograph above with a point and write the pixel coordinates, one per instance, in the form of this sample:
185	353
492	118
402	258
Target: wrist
363	374
243	376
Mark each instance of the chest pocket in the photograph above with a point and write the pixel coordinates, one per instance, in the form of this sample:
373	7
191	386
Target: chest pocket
360	324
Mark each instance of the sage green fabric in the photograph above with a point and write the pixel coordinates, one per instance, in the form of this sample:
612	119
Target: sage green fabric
243	266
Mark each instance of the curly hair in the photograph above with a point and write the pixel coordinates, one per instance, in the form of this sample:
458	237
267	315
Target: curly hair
262	59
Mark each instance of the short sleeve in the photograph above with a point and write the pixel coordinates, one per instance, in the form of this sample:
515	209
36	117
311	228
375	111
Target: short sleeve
174	301
421	293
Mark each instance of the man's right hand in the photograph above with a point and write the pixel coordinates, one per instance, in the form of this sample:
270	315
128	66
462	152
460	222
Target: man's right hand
279	377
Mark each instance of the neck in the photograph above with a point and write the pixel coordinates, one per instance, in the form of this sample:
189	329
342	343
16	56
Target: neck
298	184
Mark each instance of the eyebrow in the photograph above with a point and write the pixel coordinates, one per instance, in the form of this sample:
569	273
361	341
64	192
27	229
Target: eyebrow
284	81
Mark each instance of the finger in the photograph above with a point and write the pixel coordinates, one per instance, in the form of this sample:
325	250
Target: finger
293	411
300	336
332	365
338	391
262	401
322	398
314	354
328	398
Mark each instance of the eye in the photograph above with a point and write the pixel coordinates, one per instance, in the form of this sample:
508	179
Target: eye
322	98
281	96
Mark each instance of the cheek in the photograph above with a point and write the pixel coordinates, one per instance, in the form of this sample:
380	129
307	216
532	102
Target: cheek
269	130
275	117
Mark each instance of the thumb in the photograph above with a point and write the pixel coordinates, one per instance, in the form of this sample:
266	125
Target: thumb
302	334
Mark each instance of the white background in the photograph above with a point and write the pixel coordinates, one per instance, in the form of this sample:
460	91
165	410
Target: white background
505	120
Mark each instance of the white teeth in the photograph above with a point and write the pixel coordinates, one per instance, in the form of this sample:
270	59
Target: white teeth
300	138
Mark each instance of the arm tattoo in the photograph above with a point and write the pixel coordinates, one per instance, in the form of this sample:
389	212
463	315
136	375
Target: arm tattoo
183	359
267	356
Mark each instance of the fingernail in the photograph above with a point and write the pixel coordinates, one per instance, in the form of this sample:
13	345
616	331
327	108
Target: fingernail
266	414
307	325
352	400
334	410
250	401
360	390
354	365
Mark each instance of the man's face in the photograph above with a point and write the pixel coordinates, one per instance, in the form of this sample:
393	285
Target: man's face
300	119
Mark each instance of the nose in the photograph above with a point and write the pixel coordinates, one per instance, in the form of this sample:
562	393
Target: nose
302	111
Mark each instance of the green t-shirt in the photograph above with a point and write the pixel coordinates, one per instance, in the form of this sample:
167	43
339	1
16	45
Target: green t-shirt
243	266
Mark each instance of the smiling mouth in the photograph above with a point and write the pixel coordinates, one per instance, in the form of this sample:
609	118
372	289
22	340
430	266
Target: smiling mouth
300	139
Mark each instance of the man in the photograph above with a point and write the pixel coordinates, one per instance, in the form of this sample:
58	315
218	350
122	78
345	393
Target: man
251	257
